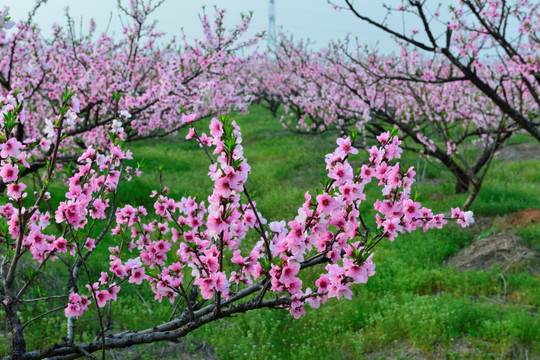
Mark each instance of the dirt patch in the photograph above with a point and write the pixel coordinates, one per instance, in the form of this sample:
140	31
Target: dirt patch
525	217
522	218
522	151
502	251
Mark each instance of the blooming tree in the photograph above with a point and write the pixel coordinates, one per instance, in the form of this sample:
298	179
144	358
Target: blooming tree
194	255
455	97
340	89
492	45
152	83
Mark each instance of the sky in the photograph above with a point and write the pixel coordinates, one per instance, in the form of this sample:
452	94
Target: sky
313	19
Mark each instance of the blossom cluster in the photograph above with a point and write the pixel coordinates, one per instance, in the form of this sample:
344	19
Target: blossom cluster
90	187
184	242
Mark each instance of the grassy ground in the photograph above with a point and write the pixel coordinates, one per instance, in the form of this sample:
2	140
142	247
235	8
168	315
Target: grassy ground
414	306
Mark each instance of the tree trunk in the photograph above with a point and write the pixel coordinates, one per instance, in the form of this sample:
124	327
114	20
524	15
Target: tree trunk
475	190
18	344
463	182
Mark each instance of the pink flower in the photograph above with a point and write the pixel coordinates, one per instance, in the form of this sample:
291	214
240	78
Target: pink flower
438	221
221	283
366	173
205	140
297	309
11	148
97	211
464	218
342	172
160	208
9	173
277	227
77	305
384	138
104	278
60	245
90	244
345	147
137	276
238	259
223	187
326	204
102	297
113	290
392	227
314	301
216	224
216	128
72	310
188	119
112	179
14	190
88	154
411	209
190	134
468	218
206	285
288	274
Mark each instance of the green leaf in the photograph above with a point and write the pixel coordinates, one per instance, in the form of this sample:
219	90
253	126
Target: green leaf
265	264
68	94
277	261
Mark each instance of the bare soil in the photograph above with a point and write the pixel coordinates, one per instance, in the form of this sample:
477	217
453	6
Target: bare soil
524	218
501	251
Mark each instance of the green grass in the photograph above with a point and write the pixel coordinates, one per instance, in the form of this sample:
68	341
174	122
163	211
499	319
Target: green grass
413	300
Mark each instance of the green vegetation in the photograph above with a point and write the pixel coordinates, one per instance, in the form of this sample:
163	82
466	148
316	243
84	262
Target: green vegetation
414	300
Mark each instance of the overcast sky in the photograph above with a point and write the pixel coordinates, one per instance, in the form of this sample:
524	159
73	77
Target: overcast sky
314	19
